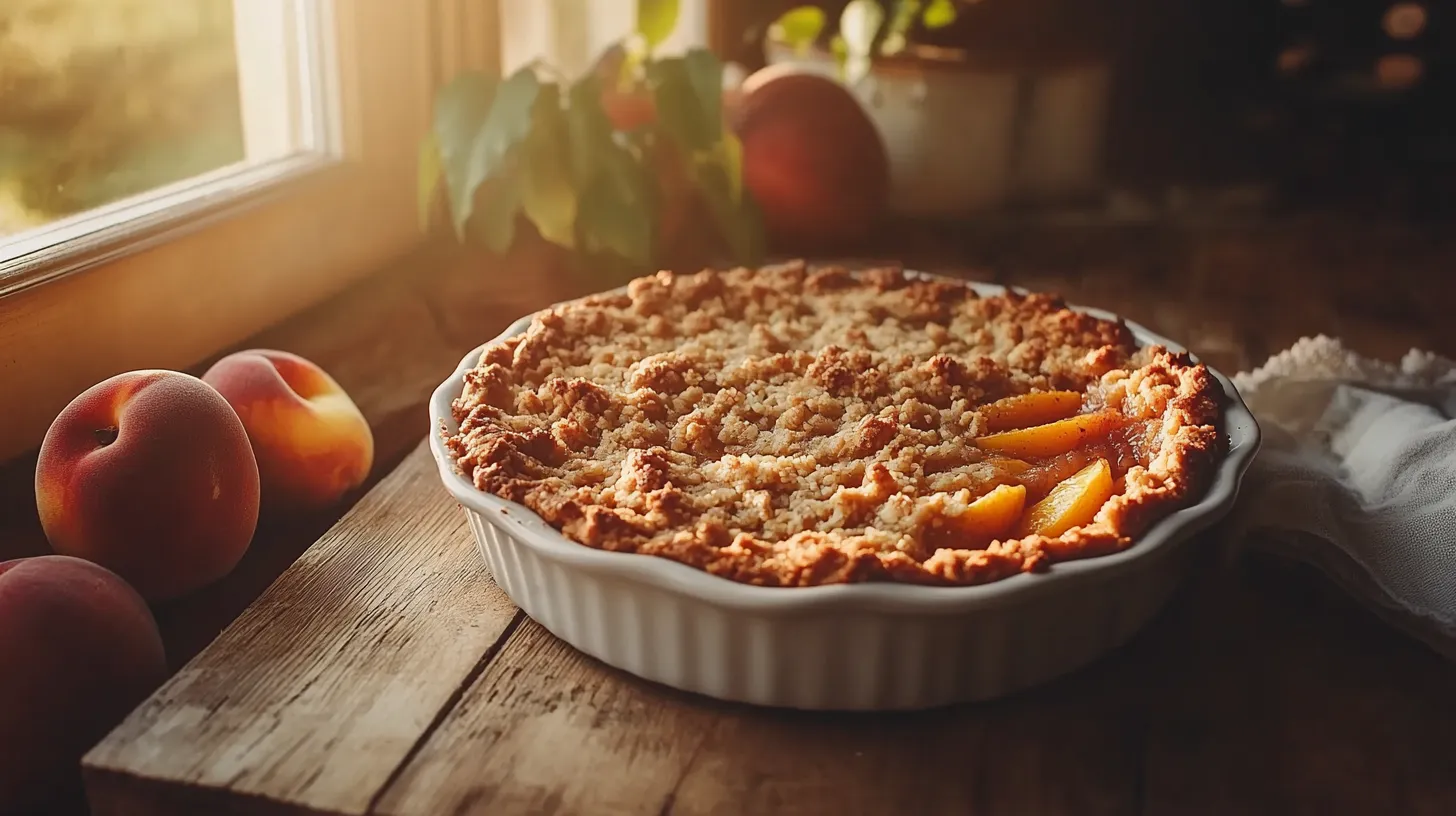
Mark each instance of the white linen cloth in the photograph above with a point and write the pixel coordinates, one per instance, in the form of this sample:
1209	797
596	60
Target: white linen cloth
1357	477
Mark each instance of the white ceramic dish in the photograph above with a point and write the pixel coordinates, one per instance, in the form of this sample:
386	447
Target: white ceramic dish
877	646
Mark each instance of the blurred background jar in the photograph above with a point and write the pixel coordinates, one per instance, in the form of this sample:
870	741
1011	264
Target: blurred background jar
1006	105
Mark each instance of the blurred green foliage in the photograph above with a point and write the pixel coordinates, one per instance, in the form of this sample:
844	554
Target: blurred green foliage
101	99
539	147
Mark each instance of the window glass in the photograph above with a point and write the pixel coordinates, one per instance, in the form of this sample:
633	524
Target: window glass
105	99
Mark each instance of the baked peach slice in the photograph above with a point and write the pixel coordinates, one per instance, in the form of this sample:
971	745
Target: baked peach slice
1051	439
1072	503
1036	408
995	513
987	518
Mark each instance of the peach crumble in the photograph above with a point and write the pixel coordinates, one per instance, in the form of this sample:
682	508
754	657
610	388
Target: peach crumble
793	426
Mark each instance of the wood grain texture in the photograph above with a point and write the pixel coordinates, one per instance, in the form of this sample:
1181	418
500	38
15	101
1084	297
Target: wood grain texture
546	730
1271	694
323	687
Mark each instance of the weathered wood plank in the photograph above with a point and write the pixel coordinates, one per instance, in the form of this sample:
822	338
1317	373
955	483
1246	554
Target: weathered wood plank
547	730
321	689
994	758
1070	747
1273	695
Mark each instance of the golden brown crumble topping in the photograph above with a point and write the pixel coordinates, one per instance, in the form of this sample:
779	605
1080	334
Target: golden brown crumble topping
793	426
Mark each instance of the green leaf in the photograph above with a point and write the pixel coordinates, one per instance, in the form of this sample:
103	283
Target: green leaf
656	20
586	123
688	91
548	195
493	222
705	72
731	155
430	171
617	215
461	108
507	123
738	221
859	25
717	174
798	27
939	14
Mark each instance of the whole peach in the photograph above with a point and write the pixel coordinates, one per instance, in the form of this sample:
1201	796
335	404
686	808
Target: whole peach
80	651
311	442
150	475
812	159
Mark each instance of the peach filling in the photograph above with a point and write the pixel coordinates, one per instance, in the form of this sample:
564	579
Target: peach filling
1069	461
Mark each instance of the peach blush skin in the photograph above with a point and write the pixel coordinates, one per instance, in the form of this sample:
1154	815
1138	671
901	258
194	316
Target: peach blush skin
150	474
311	442
80	649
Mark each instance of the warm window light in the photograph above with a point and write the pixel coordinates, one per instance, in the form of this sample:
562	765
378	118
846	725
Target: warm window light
1404	21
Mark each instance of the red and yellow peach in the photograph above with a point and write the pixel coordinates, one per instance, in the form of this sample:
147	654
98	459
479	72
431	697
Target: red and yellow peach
80	650
812	159
311	442
150	474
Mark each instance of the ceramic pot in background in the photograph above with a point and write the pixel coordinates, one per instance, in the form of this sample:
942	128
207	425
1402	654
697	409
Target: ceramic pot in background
966	137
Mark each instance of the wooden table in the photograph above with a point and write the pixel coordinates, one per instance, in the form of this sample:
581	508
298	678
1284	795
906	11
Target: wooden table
384	672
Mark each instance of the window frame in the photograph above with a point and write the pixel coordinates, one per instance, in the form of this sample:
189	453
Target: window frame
283	143
273	240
